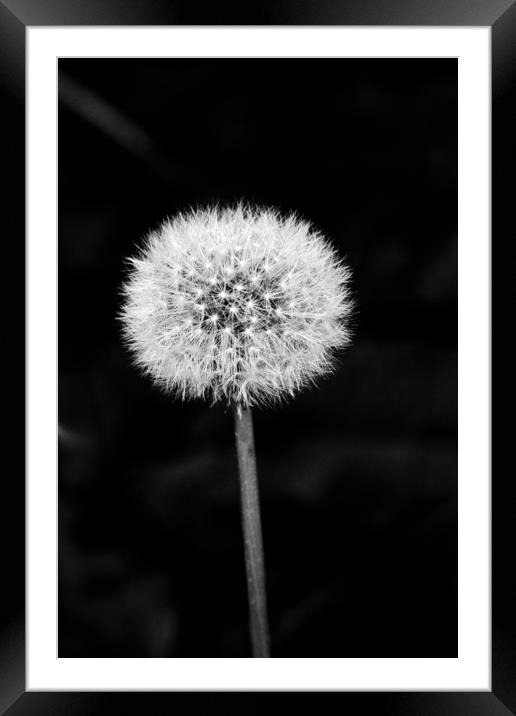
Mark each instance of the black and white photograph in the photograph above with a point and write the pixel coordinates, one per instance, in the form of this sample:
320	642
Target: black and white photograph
257	337
259	247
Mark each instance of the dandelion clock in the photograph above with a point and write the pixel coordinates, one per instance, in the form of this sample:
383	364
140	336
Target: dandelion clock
241	306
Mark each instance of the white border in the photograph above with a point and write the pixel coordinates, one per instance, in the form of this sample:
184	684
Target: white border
471	670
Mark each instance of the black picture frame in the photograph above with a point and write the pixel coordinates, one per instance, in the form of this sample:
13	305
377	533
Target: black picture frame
15	17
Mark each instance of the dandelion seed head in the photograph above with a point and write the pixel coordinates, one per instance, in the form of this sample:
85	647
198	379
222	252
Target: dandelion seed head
239	305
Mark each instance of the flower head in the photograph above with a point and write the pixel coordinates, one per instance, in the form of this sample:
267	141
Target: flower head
236	304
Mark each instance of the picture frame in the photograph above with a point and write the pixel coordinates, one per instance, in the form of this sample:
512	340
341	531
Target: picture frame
15	17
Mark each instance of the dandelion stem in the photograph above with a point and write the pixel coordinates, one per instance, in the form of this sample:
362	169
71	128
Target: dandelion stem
251	524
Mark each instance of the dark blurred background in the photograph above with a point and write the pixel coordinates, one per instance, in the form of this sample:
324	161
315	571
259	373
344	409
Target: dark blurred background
358	477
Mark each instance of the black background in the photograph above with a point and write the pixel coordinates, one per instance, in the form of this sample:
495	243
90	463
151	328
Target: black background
358	477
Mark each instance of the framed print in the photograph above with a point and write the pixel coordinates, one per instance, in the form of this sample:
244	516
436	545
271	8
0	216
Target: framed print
288	218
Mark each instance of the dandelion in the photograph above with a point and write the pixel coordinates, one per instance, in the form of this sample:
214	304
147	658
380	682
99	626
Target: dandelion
240	306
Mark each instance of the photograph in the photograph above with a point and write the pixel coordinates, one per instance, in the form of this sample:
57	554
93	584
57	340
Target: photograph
259	249
257	357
